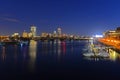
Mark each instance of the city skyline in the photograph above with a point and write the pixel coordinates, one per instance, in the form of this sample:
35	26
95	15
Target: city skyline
79	17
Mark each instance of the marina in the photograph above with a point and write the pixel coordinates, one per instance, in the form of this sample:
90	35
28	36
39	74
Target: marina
97	50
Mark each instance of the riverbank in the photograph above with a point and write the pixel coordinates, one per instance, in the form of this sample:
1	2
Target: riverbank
110	42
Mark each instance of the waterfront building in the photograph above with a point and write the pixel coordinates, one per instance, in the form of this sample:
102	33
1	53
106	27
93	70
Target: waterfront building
64	35
2	38
109	34
54	34
15	35
112	38
59	31
50	35
25	34
44	34
33	30
71	36
30	35
114	34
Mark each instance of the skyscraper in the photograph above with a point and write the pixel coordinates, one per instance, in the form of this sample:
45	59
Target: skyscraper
59	32
33	30
54	34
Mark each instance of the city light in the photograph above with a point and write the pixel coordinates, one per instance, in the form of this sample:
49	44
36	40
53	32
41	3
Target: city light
98	36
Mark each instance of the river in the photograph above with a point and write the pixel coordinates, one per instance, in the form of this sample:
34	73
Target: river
55	60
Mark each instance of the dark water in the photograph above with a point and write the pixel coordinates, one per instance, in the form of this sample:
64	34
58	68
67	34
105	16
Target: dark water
55	60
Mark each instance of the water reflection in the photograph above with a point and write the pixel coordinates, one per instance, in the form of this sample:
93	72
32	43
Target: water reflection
59	48
114	55
15	52
32	54
50	47
25	52
54	48
71	46
96	59
3	53
63	45
45	47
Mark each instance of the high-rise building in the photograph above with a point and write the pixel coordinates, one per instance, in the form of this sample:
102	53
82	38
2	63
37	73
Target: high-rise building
30	35
33	30
25	34
54	34
59	32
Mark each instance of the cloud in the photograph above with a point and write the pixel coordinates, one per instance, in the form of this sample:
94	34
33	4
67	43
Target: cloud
10	19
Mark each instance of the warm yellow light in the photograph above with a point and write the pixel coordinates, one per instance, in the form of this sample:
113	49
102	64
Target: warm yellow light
113	55
115	41
32	53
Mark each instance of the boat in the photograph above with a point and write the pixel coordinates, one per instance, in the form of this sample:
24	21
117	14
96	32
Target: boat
97	51
88	54
99	55
104	54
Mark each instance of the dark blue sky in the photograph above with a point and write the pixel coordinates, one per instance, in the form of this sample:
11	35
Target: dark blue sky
82	17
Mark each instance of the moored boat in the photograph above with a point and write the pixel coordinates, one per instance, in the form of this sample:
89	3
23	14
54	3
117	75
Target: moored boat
100	55
97	51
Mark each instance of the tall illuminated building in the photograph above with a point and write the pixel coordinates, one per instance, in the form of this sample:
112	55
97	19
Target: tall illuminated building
54	34
24	34
33	30
59	32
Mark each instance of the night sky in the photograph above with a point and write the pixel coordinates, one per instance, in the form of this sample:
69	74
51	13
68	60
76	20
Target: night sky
79	17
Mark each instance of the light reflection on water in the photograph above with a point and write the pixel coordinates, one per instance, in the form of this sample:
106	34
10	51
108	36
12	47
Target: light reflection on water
63	45
15	53
114	55
54	49
55	58
32	54
59	48
3	53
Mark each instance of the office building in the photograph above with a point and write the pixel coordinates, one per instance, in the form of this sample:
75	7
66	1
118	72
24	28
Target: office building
25	34
59	32
33	30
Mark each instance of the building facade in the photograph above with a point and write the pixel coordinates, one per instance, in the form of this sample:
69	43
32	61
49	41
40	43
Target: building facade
33	30
112	34
25	34
59	31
